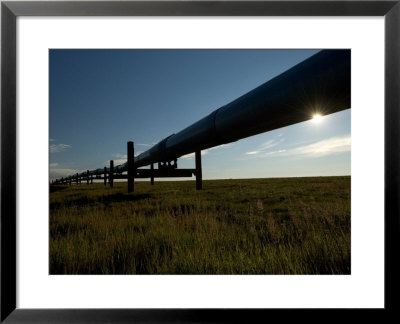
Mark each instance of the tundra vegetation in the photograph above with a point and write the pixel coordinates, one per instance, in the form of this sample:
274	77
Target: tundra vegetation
244	226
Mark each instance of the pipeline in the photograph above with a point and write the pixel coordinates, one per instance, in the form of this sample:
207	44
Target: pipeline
321	83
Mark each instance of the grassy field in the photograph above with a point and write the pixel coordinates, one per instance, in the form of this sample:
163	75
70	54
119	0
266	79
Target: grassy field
254	226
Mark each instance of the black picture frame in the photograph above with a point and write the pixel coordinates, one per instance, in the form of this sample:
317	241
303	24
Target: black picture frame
10	10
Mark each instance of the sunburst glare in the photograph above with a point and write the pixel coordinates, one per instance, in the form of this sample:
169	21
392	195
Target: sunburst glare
317	118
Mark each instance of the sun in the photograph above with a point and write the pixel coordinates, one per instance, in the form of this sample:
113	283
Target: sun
317	118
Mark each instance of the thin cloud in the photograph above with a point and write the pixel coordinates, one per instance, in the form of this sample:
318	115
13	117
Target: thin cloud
52	165
325	147
269	144
274	152
192	155
54	148
121	158
58	173
253	152
220	147
118	162
187	156
265	146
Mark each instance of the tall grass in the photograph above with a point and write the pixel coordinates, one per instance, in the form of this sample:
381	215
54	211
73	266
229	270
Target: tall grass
255	226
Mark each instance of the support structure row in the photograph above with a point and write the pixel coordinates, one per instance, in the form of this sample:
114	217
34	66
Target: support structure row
166	169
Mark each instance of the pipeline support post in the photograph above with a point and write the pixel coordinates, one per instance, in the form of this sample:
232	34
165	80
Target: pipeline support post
131	167
105	176
199	175
91	178
111	175
77	178
152	174
87	177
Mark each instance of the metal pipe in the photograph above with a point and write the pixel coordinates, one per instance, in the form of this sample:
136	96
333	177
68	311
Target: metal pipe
199	172
320	84
111	174
131	166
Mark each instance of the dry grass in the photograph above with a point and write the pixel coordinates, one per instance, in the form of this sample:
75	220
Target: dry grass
255	226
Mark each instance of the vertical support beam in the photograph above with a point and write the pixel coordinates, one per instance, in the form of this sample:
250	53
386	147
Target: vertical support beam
70	180
87	177
111	175
199	174
152	174
76	178
91	179
131	167
105	176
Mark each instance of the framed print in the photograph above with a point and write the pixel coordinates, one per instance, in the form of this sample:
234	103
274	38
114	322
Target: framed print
74	60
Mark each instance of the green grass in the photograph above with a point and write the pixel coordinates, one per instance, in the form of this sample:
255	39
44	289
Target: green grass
251	226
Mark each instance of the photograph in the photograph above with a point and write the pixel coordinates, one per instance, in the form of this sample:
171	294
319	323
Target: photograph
196	161
199	161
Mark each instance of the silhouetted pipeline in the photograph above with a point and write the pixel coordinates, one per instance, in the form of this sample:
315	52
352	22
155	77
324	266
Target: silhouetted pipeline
320	84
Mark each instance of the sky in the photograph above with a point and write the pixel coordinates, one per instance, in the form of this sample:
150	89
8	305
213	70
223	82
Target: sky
100	99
